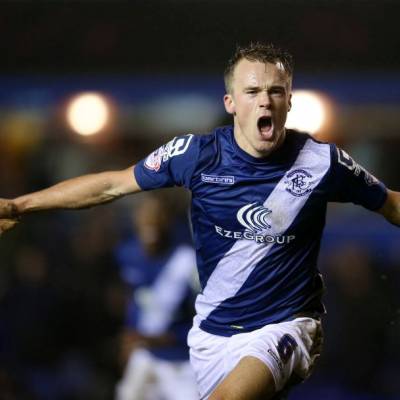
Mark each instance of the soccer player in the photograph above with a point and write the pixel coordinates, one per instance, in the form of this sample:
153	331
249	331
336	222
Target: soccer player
161	270
259	197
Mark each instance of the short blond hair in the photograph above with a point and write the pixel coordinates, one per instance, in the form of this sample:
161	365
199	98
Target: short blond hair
262	52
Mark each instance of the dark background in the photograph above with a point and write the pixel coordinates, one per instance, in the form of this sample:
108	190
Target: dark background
194	36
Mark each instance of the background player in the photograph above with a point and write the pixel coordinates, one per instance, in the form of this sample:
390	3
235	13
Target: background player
258	210
161	271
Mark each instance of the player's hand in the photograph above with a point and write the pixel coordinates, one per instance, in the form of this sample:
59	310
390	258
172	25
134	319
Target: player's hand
8	210
129	341
7	224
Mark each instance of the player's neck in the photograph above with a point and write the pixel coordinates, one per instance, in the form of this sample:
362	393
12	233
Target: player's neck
245	144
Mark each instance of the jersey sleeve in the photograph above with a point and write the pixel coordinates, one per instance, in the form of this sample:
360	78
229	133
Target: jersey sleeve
350	182
170	165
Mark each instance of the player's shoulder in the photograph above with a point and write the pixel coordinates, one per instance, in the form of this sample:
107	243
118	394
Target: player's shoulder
201	142
303	141
300	138
213	138
185	250
209	146
128	247
180	263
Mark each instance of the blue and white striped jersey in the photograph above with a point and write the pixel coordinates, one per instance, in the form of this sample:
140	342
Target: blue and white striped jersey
257	223
163	293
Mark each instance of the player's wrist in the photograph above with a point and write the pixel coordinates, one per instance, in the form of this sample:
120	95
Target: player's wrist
8	209
21	205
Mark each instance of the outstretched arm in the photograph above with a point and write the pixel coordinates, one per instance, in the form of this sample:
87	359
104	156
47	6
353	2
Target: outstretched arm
81	192
391	208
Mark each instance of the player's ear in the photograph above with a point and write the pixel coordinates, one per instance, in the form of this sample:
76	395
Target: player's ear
229	104
290	102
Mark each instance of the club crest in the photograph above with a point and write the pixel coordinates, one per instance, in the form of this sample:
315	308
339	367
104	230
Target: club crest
298	182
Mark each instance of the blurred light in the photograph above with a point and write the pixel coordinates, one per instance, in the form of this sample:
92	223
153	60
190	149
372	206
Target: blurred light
88	113
308	112
22	131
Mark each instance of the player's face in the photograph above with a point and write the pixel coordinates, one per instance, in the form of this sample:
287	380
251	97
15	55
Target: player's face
151	223
259	100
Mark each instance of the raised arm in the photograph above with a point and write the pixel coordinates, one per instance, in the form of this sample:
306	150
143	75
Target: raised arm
391	208
81	192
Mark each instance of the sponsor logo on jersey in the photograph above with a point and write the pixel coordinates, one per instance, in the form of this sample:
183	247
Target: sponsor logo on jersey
218	179
345	160
254	217
256	237
298	182
175	147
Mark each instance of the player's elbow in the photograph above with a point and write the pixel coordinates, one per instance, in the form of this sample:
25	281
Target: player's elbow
112	194
120	183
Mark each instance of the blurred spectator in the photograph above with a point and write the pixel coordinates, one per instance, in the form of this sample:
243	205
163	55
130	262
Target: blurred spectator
161	270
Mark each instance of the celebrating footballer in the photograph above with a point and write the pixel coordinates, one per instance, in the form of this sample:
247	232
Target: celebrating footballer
259	199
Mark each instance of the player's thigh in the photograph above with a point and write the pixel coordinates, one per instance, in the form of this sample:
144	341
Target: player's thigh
251	379
138	375
176	380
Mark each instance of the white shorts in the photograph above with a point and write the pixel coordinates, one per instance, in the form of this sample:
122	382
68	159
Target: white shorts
288	349
150	378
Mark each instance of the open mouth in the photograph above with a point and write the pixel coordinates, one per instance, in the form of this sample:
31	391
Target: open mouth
264	124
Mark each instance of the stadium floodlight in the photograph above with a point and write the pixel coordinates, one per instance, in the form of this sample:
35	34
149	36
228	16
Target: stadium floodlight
308	111
88	113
